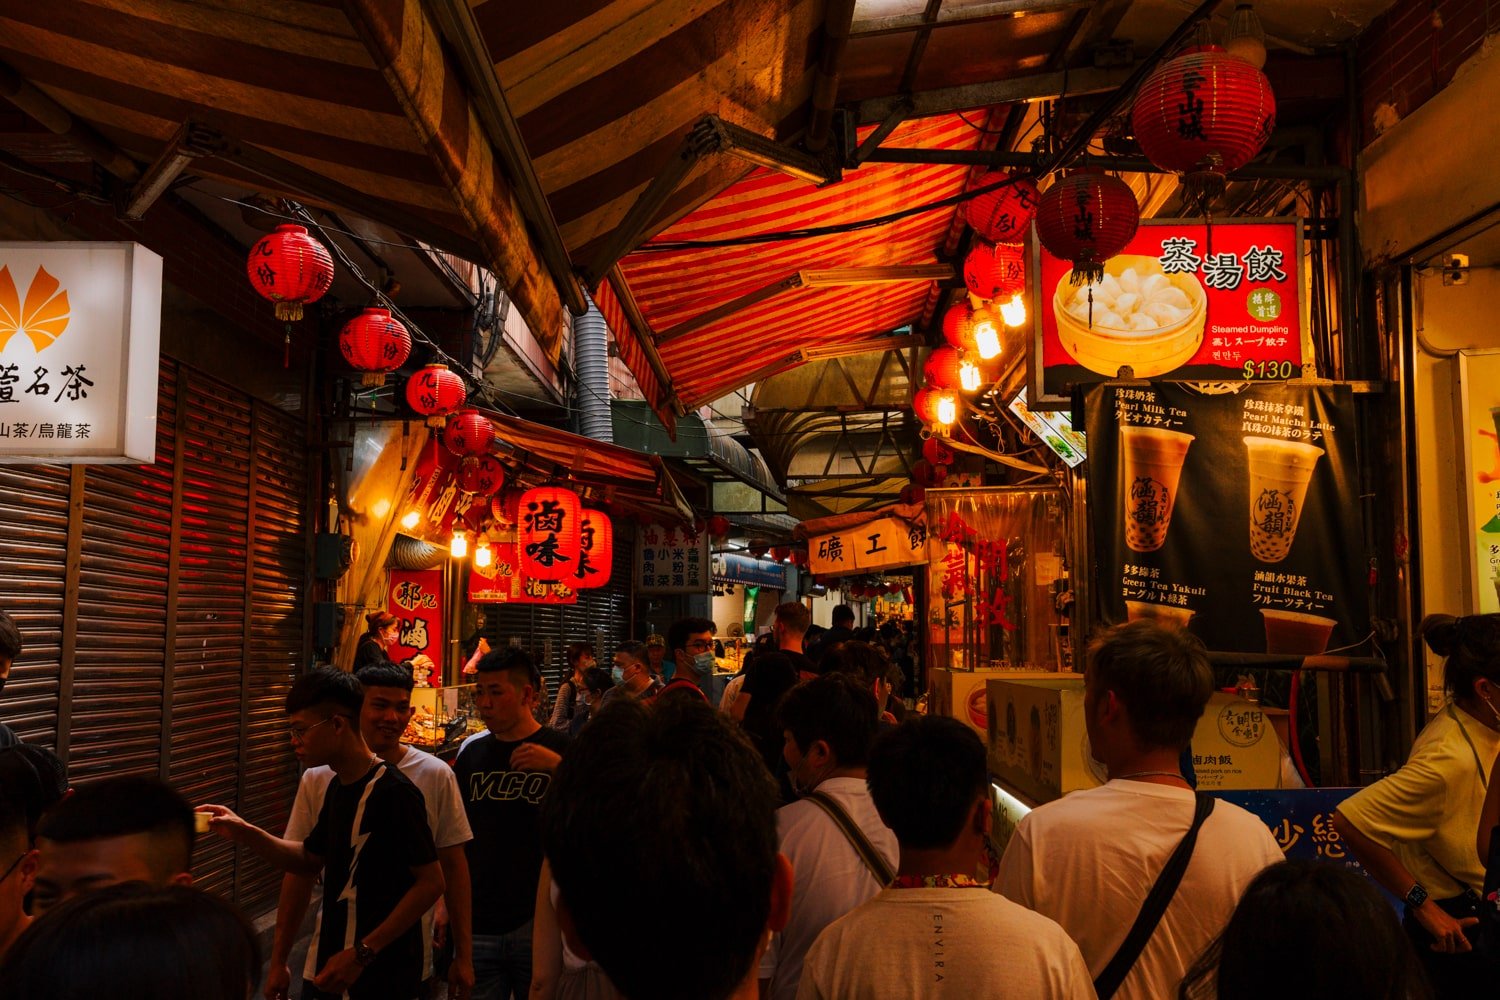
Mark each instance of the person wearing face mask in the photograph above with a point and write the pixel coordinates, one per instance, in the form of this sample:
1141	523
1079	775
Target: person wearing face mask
382	633
1414	831
632	676
840	851
570	692
690	645
10	648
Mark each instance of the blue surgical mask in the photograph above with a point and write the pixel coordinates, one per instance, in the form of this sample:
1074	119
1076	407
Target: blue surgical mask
668	668
618	674
703	663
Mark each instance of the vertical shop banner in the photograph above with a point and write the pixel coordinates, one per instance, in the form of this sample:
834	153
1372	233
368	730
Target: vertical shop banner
671	561
1232	510
416	598
1479	397
1218	302
435	497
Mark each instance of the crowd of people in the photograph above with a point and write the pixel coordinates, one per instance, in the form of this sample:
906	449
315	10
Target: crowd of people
800	840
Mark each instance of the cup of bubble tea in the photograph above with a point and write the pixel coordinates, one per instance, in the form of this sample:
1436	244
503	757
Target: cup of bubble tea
1152	462
1295	632
1279	473
1162	614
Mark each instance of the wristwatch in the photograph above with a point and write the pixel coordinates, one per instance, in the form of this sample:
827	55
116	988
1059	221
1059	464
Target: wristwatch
364	954
1415	896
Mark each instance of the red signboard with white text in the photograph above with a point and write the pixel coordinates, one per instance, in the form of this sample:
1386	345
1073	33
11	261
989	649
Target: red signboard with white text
1184	300
416	598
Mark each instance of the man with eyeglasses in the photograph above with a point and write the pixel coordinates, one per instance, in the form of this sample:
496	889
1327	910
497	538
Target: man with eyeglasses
371	842
690	644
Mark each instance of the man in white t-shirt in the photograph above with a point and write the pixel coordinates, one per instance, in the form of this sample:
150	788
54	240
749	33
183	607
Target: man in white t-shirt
383	718
828	724
1089	860
937	931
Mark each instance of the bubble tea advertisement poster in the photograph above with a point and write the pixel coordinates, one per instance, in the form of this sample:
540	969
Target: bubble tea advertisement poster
1231	509
1183	300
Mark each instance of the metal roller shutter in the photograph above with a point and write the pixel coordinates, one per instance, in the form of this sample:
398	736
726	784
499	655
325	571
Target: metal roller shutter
34	552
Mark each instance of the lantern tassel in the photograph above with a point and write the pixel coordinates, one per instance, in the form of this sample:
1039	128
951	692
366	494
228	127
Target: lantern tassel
286	341
289	310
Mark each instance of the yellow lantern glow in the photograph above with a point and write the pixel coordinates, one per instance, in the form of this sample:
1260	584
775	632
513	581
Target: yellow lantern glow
410	518
459	547
1014	311
986	336
970	378
483	555
946	409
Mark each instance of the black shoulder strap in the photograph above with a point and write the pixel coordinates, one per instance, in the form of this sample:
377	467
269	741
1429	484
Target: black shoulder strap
873	859
1155	905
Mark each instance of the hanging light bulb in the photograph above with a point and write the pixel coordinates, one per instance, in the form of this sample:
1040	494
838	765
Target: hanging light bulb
483	555
970	378
946	410
986	335
1246	39
410	518
1014	311
459	547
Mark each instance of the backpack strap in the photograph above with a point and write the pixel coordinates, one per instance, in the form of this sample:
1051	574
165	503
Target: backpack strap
873	859
1155	905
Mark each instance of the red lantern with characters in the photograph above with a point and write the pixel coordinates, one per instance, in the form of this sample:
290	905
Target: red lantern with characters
468	432
481	474
548	532
596	550
435	391
375	344
290	268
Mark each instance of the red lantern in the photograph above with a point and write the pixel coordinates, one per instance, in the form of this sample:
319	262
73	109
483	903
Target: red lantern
374	344
1002	215
942	368
936	451
1204	114
548	529
781	552
596	550
759	551
995	271
1086	218
468	432
435	391
290	268
481	474
957	325
799	557
718	526
503	506
935	406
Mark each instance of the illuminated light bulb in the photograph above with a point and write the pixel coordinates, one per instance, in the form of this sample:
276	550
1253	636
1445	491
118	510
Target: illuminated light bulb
410	518
1014	311
459	547
382	508
483	555
970	378
947	410
986	339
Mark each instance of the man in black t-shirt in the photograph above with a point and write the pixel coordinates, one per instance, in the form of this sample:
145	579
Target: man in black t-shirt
502	777
789	625
371	844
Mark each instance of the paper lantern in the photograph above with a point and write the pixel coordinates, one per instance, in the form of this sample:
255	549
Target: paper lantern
958	322
289	268
935	406
468	432
375	344
1002	215
548	530
942	369
1203	114
781	552
719	526
596	550
759	551
481	474
995	270
435	391
937	451
1085	219
503	507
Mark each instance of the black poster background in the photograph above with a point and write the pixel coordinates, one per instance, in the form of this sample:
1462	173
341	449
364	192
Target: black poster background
1206	555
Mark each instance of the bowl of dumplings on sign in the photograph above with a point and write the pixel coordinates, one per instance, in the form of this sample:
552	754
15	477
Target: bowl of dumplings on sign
1140	316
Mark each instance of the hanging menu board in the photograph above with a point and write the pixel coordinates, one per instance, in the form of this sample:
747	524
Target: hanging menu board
1233	513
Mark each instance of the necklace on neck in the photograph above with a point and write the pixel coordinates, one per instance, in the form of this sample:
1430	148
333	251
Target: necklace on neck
937	882
1152	774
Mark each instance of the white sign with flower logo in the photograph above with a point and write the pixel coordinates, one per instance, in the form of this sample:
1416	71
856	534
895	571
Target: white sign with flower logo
80	327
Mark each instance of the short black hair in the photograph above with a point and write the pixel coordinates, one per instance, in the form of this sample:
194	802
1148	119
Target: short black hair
34	779
925	776
326	687
385	675
633	649
135	942
10	637
1470	645
597	680
678	790
842	615
513	661
122	806
859	659
1160	672
836	708
679	631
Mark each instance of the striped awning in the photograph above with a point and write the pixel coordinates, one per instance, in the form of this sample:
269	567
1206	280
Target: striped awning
719	318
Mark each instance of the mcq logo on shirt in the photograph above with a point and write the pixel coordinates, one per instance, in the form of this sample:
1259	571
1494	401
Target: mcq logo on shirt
506	786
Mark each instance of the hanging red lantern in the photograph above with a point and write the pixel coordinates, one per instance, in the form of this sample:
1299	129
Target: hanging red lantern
1203	114
941	369
1002	215
957	325
503	506
995	271
935	406
718	526
375	344
780	552
435	391
596	550
548	530
1086	218
799	557
289	268
937	451
468	432
759	551
481	474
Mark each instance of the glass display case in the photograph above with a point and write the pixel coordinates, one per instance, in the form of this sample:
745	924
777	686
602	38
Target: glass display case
443	717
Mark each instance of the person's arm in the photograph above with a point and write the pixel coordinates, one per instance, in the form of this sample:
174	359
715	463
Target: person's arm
1383	865
288	855
562	708
740	706
296	895
343	968
457	900
546	941
1489	818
